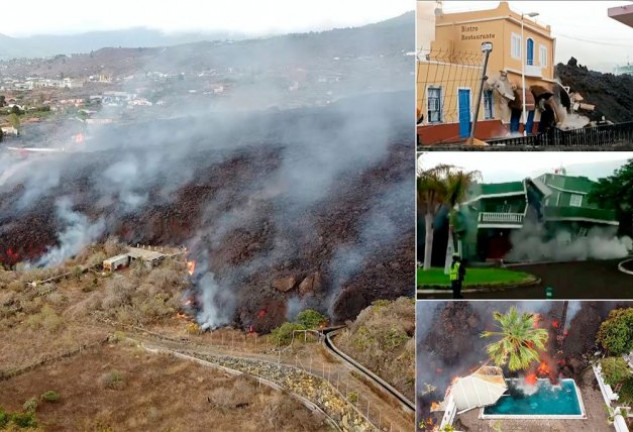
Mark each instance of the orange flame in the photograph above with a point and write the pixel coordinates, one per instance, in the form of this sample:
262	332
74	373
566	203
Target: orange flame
543	369
434	406
191	267
531	378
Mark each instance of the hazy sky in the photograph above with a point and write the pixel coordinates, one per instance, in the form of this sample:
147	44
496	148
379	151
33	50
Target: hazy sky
582	28
249	16
512	166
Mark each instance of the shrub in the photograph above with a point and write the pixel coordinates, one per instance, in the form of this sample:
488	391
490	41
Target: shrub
626	391
193	328
24	419
50	396
310	319
4	418
616	332
113	380
352	397
615	370
282	335
30	405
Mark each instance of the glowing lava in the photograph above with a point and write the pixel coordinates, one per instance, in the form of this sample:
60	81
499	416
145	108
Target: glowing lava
531	378
191	267
543	369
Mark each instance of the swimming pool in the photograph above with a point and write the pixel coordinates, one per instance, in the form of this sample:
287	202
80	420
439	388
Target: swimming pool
541	400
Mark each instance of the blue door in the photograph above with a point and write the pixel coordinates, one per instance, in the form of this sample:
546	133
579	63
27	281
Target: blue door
530	52
464	112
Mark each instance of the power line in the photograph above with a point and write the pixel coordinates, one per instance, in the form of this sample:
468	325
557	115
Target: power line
595	42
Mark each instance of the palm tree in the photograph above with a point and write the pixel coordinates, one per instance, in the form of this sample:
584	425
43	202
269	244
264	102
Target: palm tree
432	192
457	184
442	185
520	341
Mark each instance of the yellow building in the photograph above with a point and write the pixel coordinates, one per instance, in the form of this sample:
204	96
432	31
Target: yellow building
449	72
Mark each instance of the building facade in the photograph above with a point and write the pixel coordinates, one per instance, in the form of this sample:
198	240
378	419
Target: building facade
553	202
449	72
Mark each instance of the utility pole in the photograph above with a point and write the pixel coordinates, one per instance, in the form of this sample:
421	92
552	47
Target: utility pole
486	48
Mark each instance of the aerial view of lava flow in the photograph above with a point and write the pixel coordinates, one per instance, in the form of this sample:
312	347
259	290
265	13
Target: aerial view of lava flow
280	210
451	344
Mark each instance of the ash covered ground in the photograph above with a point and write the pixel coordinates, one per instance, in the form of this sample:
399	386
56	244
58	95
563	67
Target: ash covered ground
282	210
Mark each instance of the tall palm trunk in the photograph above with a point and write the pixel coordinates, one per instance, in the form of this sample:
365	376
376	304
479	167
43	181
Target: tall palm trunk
428	239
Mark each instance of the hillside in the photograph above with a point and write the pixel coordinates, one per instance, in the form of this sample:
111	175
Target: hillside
612	95
307	206
127	49
381	338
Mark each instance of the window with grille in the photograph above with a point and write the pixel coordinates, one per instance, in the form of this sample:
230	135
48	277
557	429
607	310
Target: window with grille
434	104
575	200
488	105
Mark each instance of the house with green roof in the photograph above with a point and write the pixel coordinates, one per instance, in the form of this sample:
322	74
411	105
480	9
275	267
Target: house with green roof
492	212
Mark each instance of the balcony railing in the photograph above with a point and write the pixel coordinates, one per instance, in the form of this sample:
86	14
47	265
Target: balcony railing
509	218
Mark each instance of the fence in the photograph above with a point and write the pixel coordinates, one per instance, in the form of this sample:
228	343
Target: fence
333	376
603	135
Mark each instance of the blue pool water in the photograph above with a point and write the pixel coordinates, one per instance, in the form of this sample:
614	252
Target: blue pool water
548	400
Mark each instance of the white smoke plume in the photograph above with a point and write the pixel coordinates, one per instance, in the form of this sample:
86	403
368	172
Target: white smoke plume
77	233
532	244
217	302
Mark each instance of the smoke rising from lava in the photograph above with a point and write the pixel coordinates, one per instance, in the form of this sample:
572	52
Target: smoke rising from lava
246	191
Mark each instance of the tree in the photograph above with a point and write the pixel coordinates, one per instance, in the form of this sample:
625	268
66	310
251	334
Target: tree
457	185
431	195
616	192
520	341
442	185
616	332
311	319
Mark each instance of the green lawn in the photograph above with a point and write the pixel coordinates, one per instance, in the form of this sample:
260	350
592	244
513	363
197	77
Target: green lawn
474	277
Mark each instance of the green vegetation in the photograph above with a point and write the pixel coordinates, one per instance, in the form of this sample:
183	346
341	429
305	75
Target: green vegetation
616	332
310	319
306	320
50	396
626	392
440	186
20	420
474	277
352	397
520	341
382	339
614	192
615	370
282	335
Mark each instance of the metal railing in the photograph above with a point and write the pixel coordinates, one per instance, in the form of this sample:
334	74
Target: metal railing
501	217
603	135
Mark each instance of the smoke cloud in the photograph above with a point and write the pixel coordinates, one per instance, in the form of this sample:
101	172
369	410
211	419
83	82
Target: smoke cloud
78	232
534	243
